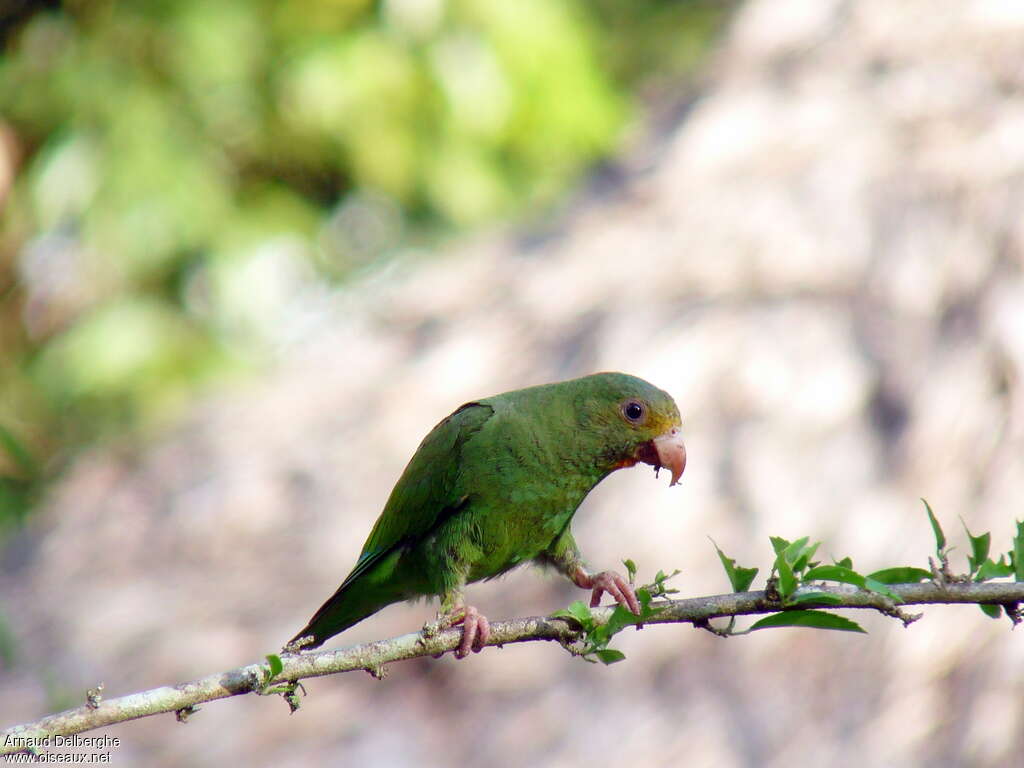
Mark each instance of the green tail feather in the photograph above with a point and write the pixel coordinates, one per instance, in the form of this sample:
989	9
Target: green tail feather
345	608
367	589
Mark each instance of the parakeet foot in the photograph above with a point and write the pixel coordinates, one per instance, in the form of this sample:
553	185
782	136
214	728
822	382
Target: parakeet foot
610	582
476	630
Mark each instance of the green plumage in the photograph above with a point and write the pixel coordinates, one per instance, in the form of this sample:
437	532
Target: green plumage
493	486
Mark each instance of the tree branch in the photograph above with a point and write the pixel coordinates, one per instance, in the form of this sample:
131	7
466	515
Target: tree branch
372	657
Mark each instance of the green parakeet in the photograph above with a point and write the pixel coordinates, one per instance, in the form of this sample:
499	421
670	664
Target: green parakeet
495	485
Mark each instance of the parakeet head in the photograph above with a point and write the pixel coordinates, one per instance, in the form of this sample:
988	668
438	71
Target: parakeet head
636	421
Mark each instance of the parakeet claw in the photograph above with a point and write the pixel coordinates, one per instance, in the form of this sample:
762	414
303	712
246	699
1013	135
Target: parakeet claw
613	584
476	630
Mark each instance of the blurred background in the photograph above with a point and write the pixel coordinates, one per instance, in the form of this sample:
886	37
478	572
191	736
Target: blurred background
251	252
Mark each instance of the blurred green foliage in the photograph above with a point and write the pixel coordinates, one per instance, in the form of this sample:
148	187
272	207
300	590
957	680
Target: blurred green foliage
183	181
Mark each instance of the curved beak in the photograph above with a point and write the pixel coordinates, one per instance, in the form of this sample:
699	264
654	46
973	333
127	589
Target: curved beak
666	450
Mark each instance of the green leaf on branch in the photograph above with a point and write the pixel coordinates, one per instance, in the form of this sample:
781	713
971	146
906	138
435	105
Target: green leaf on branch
940	537
979	549
812	619
618	621
276	665
900	575
272	669
787	581
740	578
835	573
644	597
596	635
1017	555
848	576
791	558
803	558
658	588
794	552
578	613
992	611
630	569
994	569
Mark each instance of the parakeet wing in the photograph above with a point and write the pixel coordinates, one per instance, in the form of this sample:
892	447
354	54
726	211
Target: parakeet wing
428	490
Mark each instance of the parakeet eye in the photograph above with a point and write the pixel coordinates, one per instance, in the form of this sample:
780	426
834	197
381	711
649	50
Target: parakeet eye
634	411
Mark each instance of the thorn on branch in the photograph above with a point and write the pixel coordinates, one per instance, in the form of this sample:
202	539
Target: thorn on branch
706	624
1014	613
378	671
898	613
430	629
94	696
183	714
942	576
